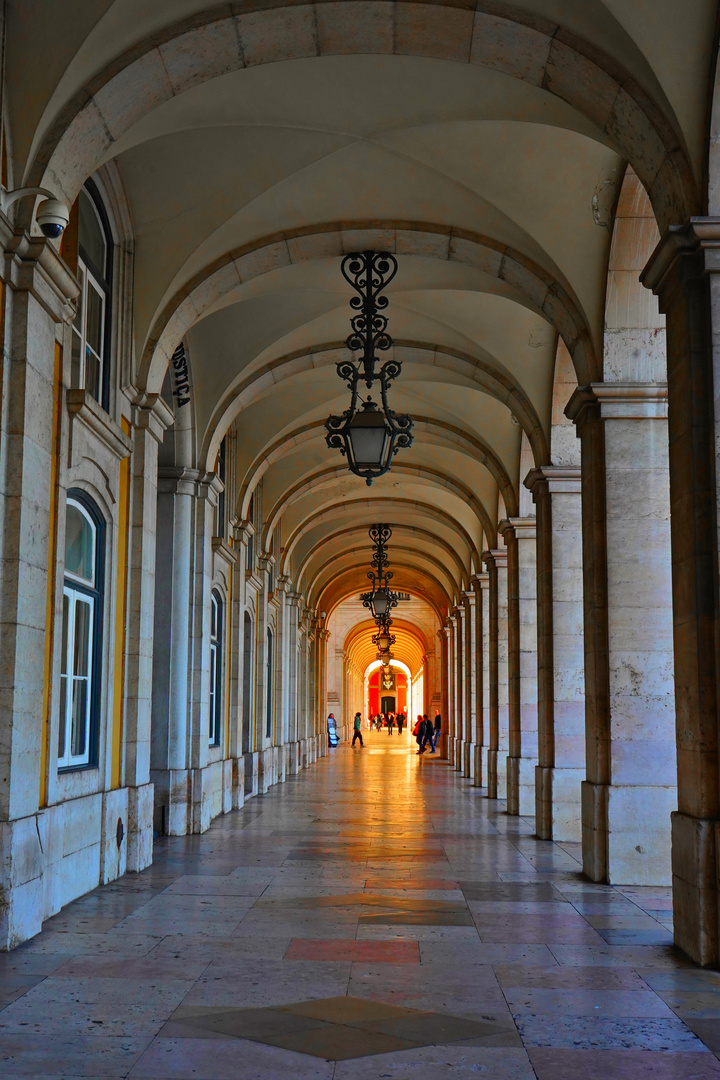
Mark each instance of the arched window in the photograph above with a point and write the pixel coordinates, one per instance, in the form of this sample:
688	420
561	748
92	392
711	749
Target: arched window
270	687
80	663
91	260
216	667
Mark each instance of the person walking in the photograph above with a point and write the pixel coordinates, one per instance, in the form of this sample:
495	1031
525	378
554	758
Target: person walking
391	723
427	735
437	728
418	733
357	733
400	722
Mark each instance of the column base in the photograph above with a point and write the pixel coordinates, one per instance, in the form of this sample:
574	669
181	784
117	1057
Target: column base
497	774
626	833
477	776
458	755
695	848
467	759
557	803
521	786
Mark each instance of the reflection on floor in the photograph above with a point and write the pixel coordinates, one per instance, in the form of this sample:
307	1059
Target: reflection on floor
375	917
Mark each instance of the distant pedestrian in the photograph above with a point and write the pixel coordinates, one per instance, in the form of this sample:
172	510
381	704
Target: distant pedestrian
437	728
418	733
428	732
391	723
357	734
400	722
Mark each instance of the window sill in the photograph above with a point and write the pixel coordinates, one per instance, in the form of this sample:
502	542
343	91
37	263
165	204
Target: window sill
83	408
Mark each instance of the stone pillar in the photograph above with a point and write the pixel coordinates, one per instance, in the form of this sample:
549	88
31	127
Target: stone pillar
150	419
450	722
561	669
519	534
683	273
37	296
460	718
630	790
482	677
444	636
496	561
468	614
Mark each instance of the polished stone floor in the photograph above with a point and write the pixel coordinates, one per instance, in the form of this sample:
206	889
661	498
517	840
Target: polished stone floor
375	918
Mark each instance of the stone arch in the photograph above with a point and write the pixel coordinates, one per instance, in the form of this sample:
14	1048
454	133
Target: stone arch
542	291
325	476
497	384
421	555
474	446
493	35
376	505
413	530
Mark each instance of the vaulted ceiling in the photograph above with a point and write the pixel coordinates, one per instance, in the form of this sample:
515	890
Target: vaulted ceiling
482	143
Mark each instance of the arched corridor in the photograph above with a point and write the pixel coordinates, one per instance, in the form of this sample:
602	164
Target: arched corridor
359	359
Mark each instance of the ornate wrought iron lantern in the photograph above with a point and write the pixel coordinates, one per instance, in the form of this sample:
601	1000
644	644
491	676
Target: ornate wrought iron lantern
381	599
369	433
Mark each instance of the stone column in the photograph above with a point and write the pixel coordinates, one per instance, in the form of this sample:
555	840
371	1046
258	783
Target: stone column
450	722
496	561
482	676
683	273
38	299
519	536
294	680
444	636
468	617
561	668
630	790
460	717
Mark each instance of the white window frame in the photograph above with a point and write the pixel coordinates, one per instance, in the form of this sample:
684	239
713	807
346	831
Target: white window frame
89	280
75	595
216	669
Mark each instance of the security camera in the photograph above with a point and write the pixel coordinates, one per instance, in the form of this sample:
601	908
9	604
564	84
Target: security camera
52	218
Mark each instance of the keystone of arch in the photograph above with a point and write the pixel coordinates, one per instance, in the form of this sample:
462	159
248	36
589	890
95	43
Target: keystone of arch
333	240
415	532
489	34
335	472
379	508
452	434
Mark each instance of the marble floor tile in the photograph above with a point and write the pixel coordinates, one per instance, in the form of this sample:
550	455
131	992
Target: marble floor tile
551	1064
450	941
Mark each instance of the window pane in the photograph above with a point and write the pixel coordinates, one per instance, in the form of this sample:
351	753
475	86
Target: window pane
79	544
91	233
94	331
92	374
78	320
79	717
63	717
65	620
83	625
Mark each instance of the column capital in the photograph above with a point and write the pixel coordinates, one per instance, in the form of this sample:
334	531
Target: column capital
481	581
553	480
618	401
518	528
150	412
31	264
495	558
684	252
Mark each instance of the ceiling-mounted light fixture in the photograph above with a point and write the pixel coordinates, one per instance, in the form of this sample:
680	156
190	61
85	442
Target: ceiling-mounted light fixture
369	433
381	599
